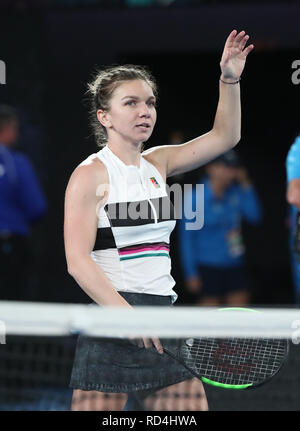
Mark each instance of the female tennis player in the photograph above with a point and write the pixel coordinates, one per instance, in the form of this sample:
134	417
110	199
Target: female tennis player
119	259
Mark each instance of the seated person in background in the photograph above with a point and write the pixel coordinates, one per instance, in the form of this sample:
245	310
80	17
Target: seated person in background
212	257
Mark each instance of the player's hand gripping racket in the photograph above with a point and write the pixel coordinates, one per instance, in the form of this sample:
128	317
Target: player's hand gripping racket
231	363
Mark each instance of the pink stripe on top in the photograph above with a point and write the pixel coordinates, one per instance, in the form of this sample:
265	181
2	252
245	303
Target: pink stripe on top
137	250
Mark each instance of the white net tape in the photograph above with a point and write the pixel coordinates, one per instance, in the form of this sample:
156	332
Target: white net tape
30	318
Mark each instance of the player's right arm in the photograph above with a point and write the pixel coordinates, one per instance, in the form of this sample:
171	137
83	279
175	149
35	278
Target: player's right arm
80	229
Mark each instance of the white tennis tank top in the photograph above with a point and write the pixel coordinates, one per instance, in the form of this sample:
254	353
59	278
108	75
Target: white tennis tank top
134	227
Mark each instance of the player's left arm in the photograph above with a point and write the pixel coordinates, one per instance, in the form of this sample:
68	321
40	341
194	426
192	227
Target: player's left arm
226	130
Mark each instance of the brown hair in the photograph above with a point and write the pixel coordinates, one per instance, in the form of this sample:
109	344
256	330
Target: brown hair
101	88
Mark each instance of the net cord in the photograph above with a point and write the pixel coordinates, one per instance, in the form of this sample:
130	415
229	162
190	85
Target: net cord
179	322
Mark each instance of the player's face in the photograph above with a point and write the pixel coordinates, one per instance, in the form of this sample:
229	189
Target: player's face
132	113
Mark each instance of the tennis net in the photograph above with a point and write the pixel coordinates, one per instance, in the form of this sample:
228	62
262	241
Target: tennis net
38	343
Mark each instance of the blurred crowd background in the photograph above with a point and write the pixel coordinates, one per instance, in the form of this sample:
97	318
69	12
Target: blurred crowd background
51	48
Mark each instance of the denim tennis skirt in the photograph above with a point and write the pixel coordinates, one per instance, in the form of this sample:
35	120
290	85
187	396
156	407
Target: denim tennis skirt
116	365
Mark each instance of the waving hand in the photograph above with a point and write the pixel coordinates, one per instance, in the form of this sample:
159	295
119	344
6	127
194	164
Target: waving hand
234	55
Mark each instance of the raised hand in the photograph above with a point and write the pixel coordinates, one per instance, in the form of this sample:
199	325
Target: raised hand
234	55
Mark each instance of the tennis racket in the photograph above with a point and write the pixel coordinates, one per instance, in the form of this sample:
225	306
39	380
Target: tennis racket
230	363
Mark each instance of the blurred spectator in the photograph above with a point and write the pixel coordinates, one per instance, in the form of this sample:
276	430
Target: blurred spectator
22	203
213	257
293	198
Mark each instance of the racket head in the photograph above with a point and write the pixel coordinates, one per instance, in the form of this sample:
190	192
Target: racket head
234	363
231	363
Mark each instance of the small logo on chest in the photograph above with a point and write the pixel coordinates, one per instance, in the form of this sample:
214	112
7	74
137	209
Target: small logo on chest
154	182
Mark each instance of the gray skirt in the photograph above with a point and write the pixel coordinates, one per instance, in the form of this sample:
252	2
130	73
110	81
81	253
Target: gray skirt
116	365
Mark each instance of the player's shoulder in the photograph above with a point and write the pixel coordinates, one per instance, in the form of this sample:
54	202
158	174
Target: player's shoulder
158	156
155	153
89	173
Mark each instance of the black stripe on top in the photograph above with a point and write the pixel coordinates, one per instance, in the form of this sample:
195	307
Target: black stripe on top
139	212
116	213
104	239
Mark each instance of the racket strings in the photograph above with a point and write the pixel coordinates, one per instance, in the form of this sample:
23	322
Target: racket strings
235	361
